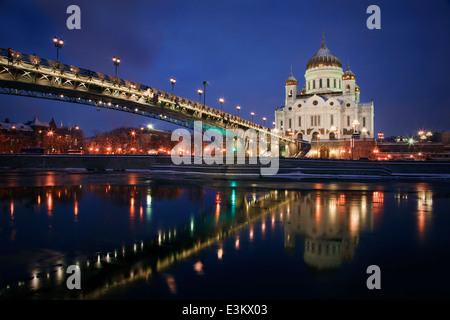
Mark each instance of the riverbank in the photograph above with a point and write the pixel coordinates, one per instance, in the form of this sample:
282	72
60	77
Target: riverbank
288	168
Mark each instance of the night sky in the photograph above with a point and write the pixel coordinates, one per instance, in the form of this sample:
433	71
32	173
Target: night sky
245	49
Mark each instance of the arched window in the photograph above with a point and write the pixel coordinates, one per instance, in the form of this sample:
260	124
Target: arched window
314	84
335	83
309	85
328	82
320	83
340	84
347	90
290	93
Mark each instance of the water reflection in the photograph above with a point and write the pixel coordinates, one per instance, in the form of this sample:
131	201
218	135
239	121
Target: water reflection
324	227
328	225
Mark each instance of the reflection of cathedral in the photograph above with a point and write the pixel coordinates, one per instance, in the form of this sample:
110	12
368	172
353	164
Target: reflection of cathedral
329	225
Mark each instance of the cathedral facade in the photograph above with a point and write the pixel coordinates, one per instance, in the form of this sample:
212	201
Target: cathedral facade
328	107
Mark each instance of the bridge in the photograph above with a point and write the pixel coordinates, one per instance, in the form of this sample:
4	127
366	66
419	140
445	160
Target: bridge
30	76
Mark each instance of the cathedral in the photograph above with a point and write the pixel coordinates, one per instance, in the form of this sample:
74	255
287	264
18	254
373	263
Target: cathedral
328	107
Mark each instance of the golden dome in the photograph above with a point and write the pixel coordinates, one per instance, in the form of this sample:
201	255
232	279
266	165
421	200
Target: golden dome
348	74
291	80
323	57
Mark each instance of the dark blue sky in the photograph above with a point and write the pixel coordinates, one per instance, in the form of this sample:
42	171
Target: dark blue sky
244	48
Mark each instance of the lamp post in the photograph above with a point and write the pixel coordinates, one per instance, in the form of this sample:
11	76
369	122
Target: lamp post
50	134
116	62
172	82
264	121
252	114
200	91
58	44
221	100
238	108
380	136
205	83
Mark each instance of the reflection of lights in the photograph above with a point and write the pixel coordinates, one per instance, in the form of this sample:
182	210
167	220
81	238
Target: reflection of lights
39	199
236	243
11	207
354	221
198	267
263	227
171	284
220	253
49	203
251	234
75	210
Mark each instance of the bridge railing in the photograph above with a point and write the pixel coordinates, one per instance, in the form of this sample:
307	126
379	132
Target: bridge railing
17	57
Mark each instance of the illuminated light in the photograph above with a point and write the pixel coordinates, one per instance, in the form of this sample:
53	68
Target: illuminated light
220	253
49	203
251	234
198	267
39	199
236	243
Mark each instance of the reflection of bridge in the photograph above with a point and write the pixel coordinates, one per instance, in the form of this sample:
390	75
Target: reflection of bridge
143	259
30	76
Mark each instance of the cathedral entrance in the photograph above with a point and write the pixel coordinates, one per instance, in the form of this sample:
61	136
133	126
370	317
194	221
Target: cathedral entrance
324	152
300	136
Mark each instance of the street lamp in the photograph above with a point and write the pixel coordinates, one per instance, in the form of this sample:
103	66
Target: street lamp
354	125
50	134
116	62
380	136
238	108
264	121
172	82
205	83
200	91
221	100
252	113
58	44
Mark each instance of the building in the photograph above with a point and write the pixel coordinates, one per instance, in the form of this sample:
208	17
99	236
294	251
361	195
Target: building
328	107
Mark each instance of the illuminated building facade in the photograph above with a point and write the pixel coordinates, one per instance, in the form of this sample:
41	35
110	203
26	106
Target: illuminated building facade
328	107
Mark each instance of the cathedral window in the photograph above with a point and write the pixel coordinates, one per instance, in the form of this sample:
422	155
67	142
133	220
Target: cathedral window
299	121
290	93
318	120
348	121
314	84
315	102
312	121
309	85
364	121
290	123
328	82
335	83
347	90
331	120
320	83
340	83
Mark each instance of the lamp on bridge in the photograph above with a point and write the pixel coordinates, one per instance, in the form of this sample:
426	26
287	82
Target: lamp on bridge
221	100
200	91
58	44
252	113
172	82
116	62
264	121
238	108
205	83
